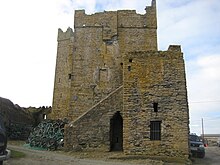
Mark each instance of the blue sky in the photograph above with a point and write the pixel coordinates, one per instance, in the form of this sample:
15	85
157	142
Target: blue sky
28	48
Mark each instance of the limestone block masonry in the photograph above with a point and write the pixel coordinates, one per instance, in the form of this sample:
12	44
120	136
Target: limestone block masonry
119	92
155	78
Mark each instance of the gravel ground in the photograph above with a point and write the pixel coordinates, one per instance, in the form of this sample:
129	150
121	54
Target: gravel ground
36	157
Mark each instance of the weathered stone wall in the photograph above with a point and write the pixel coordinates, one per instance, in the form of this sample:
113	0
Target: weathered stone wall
108	50
62	82
39	114
155	77
91	130
94	57
136	31
96	70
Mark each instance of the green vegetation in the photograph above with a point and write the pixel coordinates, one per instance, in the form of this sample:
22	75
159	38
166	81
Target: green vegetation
17	154
16	142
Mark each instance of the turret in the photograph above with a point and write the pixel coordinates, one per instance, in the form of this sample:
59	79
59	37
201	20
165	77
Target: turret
151	14
63	74
64	35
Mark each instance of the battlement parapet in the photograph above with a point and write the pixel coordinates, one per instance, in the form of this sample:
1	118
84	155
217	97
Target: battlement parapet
176	48
97	19
173	52
80	12
65	35
117	19
130	19
152	7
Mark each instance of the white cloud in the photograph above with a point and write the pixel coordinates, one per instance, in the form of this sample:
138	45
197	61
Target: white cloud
203	90
203	82
27	54
195	26
28	46
195	21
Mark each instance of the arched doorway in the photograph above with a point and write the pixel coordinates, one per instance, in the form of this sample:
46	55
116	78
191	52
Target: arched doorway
116	132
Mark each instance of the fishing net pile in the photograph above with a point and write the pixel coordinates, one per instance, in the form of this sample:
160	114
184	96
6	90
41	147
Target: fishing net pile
48	134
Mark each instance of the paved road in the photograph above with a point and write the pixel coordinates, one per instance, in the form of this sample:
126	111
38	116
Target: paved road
212	157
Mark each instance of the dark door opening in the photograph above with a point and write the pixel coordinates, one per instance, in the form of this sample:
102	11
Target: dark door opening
116	132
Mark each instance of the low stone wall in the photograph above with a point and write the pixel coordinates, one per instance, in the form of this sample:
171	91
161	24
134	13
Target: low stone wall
18	131
91	130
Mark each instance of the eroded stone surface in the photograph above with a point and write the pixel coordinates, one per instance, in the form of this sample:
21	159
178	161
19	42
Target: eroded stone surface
110	64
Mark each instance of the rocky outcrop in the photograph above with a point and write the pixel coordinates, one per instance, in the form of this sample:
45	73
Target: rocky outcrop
20	121
13	113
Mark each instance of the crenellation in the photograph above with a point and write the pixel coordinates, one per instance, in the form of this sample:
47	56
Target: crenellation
109	78
65	35
176	48
79	13
131	20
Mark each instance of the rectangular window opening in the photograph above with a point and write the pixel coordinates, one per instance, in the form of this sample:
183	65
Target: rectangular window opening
155	130
129	68
155	106
44	116
70	76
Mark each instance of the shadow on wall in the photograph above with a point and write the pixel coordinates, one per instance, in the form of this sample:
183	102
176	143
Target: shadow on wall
116	132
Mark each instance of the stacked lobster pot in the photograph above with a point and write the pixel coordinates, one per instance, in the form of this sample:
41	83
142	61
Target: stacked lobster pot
48	134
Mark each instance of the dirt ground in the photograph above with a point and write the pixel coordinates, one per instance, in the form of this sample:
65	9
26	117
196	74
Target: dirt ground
36	157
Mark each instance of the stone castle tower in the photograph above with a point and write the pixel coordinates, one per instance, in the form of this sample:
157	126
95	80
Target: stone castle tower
118	90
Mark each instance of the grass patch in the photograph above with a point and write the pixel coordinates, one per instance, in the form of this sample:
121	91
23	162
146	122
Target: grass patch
17	154
16	142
